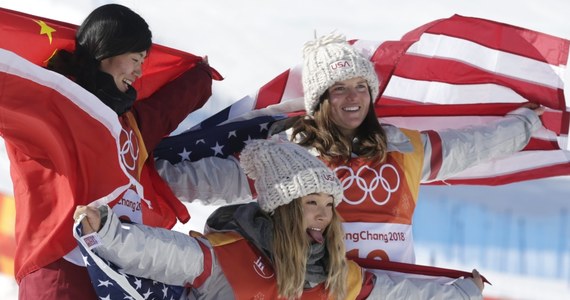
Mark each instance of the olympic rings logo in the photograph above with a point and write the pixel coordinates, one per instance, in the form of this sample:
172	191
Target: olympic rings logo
129	148
369	187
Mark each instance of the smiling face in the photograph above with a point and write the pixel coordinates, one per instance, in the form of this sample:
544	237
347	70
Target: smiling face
125	68
317	214
349	101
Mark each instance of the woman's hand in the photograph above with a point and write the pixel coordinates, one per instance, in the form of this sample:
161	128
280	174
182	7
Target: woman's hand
538	109
478	280
92	220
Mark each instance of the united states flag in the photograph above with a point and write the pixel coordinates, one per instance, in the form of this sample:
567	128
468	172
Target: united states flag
221	141
111	284
449	73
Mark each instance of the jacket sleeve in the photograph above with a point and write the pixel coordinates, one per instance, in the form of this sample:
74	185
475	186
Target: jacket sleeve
452	151
211	180
158	115
156	253
389	286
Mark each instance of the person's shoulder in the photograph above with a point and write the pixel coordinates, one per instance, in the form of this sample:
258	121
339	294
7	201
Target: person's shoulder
221	238
395	133
400	139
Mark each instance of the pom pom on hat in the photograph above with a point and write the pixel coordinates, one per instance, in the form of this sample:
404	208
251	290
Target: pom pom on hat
284	171
331	59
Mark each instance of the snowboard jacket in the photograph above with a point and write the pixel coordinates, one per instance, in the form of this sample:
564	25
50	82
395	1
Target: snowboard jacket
379	197
44	205
229	264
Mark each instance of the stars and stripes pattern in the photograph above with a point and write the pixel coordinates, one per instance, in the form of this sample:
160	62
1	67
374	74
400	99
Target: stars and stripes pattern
220	141
450	73
111	284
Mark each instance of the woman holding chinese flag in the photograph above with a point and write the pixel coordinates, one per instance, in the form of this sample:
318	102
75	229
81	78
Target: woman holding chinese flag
61	156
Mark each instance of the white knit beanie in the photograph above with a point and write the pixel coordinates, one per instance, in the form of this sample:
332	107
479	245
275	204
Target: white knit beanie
331	59
284	171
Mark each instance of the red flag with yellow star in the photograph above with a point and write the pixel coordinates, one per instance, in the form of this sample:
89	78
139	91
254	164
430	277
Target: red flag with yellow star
36	40
66	139
33	38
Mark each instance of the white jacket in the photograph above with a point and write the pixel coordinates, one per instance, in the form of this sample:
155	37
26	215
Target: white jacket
175	258
215	180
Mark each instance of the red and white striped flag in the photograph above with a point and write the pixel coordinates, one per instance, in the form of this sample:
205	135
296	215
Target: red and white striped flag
452	73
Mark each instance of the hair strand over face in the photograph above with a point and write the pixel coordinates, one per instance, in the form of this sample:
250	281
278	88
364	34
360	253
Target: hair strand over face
321	133
290	247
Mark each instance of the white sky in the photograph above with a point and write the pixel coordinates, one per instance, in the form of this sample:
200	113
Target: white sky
252	41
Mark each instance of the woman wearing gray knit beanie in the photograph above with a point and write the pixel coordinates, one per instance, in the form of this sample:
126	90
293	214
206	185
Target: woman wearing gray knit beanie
381	166
287	245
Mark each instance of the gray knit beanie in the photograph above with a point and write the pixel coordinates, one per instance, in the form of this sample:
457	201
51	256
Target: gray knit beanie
331	59
284	171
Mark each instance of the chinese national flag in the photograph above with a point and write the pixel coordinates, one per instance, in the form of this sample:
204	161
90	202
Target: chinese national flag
58	133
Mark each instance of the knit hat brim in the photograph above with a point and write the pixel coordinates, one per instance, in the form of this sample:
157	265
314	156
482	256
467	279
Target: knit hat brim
284	171
330	59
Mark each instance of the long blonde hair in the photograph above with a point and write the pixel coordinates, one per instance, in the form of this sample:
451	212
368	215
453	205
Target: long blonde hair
290	248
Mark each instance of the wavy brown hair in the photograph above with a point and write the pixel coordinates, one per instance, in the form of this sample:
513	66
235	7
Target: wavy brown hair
321	133
291	247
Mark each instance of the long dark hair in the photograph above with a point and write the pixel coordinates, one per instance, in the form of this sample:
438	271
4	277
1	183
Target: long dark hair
321	133
109	30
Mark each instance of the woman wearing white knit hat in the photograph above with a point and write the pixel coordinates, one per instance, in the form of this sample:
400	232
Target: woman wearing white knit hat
381	167
287	245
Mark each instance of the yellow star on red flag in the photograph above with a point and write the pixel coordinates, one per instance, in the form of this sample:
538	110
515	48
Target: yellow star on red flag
45	29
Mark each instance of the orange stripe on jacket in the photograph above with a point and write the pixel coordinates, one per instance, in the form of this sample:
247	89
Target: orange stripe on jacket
7	240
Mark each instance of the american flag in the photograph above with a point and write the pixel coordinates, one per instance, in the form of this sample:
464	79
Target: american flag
111	284
221	141
449	73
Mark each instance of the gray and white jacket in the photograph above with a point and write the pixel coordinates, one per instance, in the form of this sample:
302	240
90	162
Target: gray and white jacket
215	180
175	258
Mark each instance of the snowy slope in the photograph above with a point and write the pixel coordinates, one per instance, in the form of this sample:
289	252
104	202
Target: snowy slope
252	41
